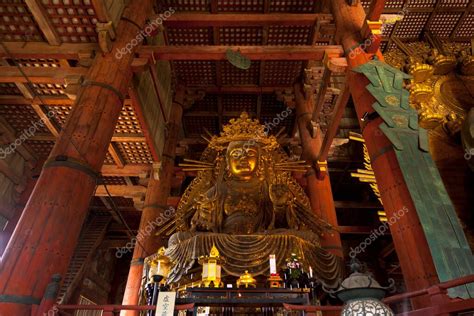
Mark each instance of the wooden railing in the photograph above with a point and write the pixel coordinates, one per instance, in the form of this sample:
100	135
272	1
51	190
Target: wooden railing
441	304
112	310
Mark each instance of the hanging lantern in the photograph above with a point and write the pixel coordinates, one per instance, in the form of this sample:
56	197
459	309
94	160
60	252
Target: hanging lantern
159	267
362	294
211	268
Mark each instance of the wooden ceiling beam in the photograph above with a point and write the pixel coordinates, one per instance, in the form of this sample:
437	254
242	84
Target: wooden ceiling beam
41	17
247	89
214	52
45	119
39	74
49	100
121	190
44	50
116	138
238	19
115	154
128	170
343	98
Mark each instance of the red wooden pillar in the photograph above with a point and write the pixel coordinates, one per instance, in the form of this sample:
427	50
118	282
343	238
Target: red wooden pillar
319	186
44	240
155	206
408	236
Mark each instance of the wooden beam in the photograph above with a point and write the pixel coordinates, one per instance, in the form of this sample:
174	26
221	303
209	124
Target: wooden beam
10	136
247	89
39	74
138	108
44	50
45	119
129	170
121	190
213	52
335	123
116	138
41	17
49	100
238	19
359	230
357	205
114	152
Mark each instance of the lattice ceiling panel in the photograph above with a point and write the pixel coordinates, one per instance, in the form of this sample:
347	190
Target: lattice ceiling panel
22	117
185	5
128	122
189	36
412	24
394	4
135	152
270	104
40	148
421	4
466	28
114	180
455	3
108	159
195	125
241	35
48	88
239	103
195	73
289	35
281	73
234	76
276	124
74	20
254	6
17	23
294	6
9	88
443	23
250	6
35	62
207	104
61	112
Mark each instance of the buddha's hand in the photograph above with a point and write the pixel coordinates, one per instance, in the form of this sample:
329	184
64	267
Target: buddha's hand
279	194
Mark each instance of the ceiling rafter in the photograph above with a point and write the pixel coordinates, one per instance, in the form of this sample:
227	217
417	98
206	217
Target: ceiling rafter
211	52
41	17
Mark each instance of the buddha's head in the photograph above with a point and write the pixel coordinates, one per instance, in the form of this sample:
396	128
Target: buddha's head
242	158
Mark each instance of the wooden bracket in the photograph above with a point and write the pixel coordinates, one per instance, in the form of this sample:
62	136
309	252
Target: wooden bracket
73	83
287	96
106	34
191	96
156	170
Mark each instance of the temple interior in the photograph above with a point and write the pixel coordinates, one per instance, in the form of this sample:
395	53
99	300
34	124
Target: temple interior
236	157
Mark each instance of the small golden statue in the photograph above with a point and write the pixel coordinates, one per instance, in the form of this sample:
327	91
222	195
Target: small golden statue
245	200
246	280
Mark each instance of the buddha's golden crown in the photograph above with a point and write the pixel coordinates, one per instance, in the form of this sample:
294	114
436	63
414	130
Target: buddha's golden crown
244	129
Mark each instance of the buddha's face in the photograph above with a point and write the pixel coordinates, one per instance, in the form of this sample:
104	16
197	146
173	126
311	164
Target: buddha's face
242	158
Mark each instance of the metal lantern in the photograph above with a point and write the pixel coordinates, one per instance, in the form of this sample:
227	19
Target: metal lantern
366	307
159	267
211	268
362	294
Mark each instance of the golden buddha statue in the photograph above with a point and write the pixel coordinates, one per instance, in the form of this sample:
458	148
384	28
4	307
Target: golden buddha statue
245	201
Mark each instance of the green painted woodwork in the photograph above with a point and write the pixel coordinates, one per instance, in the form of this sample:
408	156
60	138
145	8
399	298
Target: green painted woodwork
450	250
